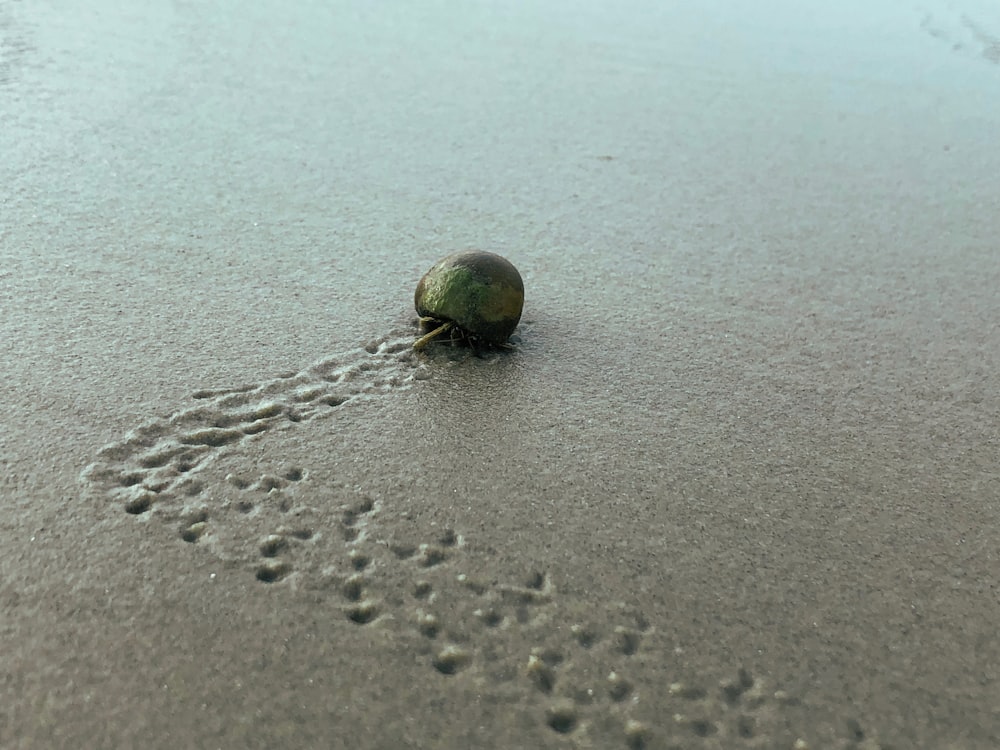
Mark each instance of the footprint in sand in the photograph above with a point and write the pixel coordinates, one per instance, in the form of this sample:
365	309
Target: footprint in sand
602	683
963	34
156	463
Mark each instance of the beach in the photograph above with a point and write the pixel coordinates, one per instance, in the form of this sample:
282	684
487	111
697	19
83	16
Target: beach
735	485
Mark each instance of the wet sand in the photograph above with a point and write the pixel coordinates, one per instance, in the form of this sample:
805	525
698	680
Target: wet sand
735	487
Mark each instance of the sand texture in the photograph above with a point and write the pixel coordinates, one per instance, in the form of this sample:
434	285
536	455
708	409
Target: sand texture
735	486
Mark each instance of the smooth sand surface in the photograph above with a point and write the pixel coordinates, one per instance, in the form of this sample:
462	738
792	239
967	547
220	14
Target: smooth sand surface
736	487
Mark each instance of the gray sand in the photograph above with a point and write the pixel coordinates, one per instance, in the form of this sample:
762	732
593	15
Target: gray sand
737	485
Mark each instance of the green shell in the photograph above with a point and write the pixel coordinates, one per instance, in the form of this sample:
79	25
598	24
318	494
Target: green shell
481	293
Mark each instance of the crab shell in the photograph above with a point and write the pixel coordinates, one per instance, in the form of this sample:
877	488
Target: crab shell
481	293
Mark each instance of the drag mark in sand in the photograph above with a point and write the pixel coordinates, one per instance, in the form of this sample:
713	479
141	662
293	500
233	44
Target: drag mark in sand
159	461
593	673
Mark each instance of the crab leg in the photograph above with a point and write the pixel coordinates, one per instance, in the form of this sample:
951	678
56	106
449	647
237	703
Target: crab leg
425	340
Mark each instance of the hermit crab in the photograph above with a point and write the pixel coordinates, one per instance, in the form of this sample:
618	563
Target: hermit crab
474	296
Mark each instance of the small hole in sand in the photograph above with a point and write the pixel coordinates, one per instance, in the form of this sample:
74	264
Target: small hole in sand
268	483
432	556
618	687
238	482
353	589
273	545
271	573
636	735
451	660
562	718
154	461
688	692
536	581
428	626
194	532
351	514
293	475
422	589
139	505
541	675
703	728
584	636
628	642
854	727
551	657
363	613
492	618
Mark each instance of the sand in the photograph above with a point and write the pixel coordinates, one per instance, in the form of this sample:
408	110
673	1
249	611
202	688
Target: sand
736	486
